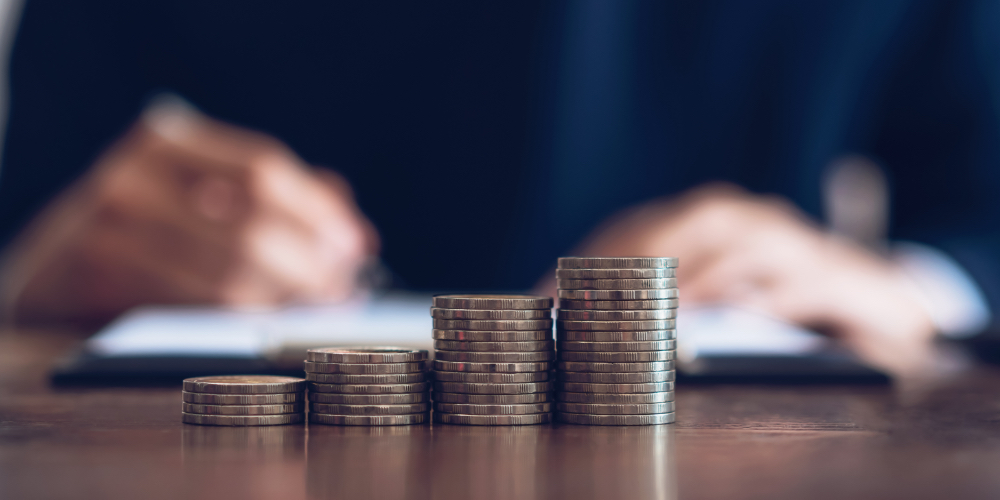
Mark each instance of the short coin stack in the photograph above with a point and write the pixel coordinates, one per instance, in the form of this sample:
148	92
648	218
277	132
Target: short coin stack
367	385
239	400
493	359
617	340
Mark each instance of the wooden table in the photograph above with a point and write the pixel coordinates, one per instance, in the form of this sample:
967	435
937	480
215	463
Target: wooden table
730	442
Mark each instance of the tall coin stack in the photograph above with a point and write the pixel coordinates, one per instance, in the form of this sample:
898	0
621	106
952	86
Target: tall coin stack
617	340
239	400
367	385
492	359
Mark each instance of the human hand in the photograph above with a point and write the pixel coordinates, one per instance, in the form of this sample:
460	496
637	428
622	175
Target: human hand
186	209
760	252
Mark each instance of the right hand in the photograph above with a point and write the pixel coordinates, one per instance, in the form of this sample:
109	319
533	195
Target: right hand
185	209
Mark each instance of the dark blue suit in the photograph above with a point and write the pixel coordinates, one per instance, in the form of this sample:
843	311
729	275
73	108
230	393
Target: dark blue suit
450	115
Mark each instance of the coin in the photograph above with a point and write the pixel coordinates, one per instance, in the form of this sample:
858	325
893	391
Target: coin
493	325
342	409
616	262
618	304
494	357
242	399
493	314
661	345
615	274
369	388
488	336
492	302
580	418
598	315
493	399
646	336
483	378
616	378
242	409
614	388
643	398
669	293
368	399
244	384
617	326
625	284
410	419
365	354
617	357
586	366
467	409
242	420
616	409
340	378
452	366
455	345
454	418
472	388
363	368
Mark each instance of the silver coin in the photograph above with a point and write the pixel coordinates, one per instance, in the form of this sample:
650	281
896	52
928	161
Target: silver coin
242	409
493	325
467	409
584	419
499	378
615	399
491	314
494	357
625	284
368	399
393	378
599	315
369	388
479	301
493	399
454	418
364	368
365	354
616	378
242	420
615	274
617	262
491	388
452	366
617	357
491	336
618	409
244	384
342	409
617	326
645	336
242	399
619	305
669	293
455	345
327	419
614	388
586	366
661	345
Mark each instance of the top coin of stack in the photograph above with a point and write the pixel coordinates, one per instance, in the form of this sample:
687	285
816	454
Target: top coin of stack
367	385
239	400
617	340
493	356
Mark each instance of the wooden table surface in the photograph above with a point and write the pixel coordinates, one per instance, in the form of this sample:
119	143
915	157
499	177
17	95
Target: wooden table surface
730	442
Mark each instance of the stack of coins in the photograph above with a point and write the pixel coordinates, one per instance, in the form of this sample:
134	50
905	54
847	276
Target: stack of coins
492	359
617	340
367	385
243	400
